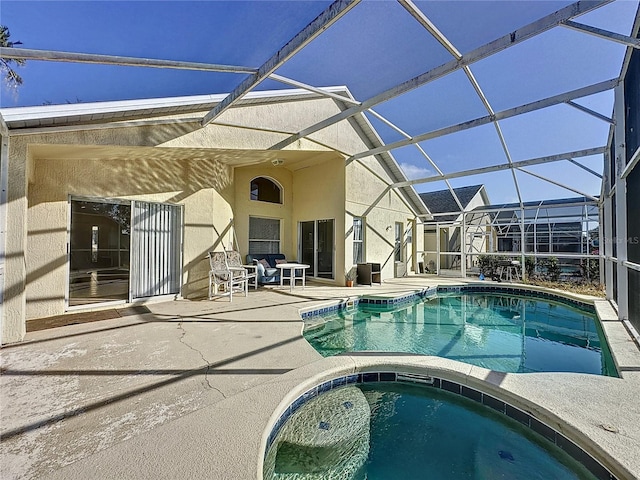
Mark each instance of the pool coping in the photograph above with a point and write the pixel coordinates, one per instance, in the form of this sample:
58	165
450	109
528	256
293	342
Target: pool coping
222	436
524	418
616	335
394	299
555	400
623	350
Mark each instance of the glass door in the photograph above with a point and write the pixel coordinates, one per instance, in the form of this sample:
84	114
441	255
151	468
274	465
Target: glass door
99	251
157	242
324	243
307	244
316	247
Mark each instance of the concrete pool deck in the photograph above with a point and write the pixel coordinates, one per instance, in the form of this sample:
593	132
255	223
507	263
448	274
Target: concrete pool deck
188	389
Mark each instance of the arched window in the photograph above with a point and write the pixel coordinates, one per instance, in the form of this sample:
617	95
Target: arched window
265	190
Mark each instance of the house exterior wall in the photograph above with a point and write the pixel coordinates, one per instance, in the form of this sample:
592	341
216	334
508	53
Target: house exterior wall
179	163
366	196
319	194
245	207
207	211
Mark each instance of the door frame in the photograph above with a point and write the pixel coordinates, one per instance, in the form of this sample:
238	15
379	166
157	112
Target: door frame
130	299
314	266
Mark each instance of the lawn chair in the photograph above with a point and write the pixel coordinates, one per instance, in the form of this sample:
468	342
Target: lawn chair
224	278
234	263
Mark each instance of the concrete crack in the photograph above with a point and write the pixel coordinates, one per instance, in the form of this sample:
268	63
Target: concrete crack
207	363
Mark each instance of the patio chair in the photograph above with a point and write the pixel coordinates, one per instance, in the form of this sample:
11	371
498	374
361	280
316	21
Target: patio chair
225	279
234	263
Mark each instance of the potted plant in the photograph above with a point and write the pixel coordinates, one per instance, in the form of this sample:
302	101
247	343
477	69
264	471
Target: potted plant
350	276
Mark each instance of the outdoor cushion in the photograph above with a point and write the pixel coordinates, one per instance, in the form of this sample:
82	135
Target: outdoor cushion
266	263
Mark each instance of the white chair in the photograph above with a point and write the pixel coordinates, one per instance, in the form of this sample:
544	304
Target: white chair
224	278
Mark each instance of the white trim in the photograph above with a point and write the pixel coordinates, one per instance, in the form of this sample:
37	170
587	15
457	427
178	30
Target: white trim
146	106
276	182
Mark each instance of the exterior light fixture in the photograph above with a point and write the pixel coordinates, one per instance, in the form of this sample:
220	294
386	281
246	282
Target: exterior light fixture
276	162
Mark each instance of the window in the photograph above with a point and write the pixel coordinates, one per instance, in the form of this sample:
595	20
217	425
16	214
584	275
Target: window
264	235
358	240
398	245
265	190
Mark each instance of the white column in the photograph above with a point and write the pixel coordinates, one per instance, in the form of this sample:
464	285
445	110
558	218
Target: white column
4	173
522	238
463	246
437	249
15	273
621	205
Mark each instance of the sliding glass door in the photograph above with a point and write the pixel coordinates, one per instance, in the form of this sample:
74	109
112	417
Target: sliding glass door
99	252
123	250
316	247
157	240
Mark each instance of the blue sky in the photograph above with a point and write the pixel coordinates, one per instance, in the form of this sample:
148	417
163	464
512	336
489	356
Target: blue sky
374	47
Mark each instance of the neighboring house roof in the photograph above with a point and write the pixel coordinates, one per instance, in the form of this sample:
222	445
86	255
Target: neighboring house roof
81	114
569	202
442	201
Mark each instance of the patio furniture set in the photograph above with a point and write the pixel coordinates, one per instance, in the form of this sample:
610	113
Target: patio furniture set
228	275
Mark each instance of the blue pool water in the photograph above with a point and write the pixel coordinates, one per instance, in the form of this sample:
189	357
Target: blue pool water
507	333
392	431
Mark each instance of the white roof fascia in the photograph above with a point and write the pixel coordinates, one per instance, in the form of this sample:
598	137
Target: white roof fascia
96	111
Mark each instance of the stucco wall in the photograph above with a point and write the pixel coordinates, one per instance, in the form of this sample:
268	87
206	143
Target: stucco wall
366	197
15	271
177	163
245	207
319	194
203	186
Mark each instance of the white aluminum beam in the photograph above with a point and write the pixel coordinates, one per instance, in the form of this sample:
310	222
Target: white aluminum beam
423	20
496	221
631	265
561	185
503	142
504	166
592	172
512	112
517	36
590	112
320	91
635	159
423	153
55	56
332	14
606	34
416	13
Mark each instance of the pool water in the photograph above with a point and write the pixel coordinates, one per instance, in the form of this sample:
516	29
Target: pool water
413	432
506	333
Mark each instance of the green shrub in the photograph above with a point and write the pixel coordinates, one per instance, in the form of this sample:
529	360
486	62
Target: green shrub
489	264
551	267
529	266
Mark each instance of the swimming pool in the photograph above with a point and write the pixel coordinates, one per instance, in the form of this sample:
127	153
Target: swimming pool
503	332
393	430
